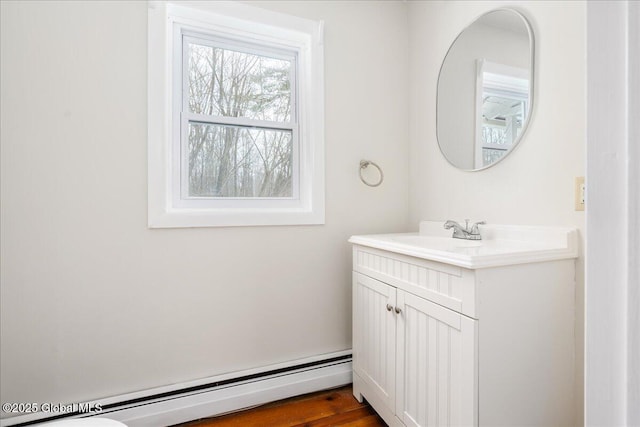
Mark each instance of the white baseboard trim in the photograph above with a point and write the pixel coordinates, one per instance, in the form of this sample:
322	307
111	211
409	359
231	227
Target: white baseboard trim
220	399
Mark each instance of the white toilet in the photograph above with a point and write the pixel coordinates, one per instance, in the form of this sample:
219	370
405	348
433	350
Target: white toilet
86	422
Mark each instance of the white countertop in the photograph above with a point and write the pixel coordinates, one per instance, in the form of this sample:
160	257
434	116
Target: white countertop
500	245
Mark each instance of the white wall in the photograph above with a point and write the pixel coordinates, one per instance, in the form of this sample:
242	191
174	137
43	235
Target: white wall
535	184
96	304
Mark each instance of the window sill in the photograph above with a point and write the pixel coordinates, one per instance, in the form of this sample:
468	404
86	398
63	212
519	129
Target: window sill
179	218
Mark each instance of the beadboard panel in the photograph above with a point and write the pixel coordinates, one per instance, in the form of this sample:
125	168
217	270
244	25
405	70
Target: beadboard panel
450	286
436	347
374	347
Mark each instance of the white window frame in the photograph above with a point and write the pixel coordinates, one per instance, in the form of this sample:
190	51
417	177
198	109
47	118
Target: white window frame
297	37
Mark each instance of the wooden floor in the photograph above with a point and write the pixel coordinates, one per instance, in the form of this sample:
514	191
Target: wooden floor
335	407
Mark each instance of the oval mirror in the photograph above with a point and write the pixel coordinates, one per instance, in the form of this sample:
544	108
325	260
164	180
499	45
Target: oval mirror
485	90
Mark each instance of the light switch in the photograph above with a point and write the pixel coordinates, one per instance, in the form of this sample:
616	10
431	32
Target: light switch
579	193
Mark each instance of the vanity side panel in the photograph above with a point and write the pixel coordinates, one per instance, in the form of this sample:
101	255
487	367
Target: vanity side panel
526	344
448	285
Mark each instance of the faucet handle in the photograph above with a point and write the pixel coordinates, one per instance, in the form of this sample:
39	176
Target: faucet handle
474	229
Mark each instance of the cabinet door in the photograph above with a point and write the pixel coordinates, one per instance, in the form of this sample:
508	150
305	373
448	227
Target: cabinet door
374	336
437	365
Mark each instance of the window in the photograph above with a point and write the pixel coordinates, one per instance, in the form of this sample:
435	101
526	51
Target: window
235	117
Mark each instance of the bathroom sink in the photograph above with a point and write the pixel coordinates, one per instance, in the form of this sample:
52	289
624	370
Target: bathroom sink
500	244
443	243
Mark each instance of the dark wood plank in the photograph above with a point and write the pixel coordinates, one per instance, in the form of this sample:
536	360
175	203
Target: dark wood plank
335	407
350	418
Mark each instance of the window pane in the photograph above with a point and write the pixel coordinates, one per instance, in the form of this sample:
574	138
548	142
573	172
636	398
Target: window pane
227	83
492	134
230	161
490	156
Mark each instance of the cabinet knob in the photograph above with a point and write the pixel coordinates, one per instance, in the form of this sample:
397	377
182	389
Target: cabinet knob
398	310
389	307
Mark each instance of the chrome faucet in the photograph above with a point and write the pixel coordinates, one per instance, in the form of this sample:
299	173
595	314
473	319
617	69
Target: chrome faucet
464	233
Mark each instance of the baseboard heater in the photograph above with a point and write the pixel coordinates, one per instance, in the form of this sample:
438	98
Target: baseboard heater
217	396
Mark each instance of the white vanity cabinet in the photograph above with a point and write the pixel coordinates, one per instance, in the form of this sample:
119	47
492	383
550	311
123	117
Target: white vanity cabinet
416	357
438	344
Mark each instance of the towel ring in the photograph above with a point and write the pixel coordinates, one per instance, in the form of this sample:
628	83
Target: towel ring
363	165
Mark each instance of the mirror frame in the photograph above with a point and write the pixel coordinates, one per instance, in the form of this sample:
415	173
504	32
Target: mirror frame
532	79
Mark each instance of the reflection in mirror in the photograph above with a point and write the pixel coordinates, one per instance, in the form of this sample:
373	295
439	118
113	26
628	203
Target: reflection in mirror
484	90
502	102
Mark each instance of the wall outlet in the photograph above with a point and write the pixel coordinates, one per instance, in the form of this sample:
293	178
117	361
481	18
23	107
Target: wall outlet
579	193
